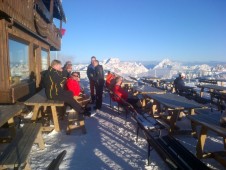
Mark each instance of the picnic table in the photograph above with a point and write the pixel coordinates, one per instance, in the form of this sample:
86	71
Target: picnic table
211	88
7	113
188	91
211	81
152	81
173	105
145	89
220	96
167	84
209	121
222	81
40	100
127	83
133	78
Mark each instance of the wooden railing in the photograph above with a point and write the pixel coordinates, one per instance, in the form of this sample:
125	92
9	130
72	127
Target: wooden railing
41	8
25	13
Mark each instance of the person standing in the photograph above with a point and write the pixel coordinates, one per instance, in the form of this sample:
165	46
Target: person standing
99	83
90	74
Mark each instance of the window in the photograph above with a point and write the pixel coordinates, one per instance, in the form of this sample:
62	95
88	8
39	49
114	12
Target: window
19	63
44	60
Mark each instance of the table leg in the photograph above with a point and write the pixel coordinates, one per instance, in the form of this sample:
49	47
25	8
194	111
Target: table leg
39	140
202	92
143	102
12	127
157	84
180	115
173	120
153	108
224	141
191	111
27	167
35	113
173	89
194	129
201	142
211	95
55	118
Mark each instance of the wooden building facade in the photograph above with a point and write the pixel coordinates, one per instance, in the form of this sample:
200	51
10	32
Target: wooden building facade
27	35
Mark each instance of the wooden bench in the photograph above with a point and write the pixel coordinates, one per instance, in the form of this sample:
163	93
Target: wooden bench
16	153
209	121
174	154
75	121
54	165
39	100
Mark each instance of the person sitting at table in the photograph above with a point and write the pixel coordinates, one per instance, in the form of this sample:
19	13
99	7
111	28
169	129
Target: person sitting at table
109	77
121	93
54	87
67	69
179	83
73	85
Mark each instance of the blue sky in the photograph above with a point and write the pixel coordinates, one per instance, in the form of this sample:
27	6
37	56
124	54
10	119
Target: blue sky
145	30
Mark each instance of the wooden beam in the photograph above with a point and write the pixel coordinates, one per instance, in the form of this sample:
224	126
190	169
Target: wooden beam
51	10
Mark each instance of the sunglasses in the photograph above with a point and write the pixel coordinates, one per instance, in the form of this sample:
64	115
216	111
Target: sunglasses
75	75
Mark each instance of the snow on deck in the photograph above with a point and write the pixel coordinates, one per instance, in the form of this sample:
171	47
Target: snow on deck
110	143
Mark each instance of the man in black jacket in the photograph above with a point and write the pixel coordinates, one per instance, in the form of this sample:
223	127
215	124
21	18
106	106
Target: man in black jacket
90	74
179	83
99	83
54	87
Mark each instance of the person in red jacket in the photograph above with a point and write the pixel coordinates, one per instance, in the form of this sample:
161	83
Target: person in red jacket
110	80
109	77
73	84
121	93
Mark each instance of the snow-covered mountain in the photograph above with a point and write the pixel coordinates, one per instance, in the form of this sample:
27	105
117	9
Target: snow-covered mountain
119	67
80	67
168	69
124	68
164	69
167	64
